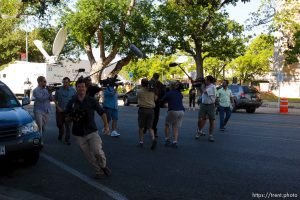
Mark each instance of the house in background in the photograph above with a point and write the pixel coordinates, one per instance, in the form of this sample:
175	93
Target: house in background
285	79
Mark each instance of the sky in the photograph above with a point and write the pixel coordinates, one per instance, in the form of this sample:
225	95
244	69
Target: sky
241	11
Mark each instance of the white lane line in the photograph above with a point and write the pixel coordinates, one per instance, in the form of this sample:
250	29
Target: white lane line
263	137
113	194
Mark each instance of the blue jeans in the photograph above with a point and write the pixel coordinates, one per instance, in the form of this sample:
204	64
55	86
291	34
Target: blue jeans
222	111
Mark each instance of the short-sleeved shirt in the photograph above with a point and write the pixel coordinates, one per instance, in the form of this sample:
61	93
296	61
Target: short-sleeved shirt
41	98
146	98
224	97
110	98
210	96
27	85
63	96
174	99
86	123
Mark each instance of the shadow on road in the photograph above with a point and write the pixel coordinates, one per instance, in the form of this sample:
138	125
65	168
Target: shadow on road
8	166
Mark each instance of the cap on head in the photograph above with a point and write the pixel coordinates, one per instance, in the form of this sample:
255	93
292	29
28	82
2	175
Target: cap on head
174	85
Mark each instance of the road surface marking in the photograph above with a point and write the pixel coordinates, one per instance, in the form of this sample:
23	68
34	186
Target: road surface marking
265	137
113	194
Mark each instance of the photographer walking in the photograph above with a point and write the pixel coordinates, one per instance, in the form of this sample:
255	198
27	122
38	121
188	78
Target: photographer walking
207	108
110	105
62	96
146	103
92	89
81	110
41	108
175	112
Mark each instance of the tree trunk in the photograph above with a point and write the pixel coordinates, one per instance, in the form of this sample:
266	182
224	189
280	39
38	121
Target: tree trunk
120	65
198	56
199	65
96	68
89	53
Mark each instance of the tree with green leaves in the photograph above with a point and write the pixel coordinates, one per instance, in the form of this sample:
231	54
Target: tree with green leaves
214	67
14	20
147	67
281	16
111	26
256	60
16	8
199	28
13	41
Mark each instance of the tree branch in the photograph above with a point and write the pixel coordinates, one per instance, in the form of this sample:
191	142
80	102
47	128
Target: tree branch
115	48
101	43
120	65
89	53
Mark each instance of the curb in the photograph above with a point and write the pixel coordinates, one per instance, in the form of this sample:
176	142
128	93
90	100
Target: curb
7	193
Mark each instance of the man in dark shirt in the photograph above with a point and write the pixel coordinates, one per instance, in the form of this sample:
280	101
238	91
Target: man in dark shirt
159	90
81	110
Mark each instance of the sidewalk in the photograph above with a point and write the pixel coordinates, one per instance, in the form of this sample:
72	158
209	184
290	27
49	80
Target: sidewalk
266	107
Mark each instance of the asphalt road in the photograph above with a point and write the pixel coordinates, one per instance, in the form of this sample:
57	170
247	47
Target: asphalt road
257	155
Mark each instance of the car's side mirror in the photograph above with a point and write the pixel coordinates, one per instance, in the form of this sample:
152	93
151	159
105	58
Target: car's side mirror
25	101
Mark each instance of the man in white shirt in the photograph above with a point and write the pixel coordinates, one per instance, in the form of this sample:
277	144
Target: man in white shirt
207	108
27	88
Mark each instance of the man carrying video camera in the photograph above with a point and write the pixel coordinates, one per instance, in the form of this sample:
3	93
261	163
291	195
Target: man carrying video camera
80	109
110	104
41	108
62	96
92	89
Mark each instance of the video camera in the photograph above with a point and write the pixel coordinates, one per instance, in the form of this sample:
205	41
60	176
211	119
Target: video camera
111	81
53	87
198	82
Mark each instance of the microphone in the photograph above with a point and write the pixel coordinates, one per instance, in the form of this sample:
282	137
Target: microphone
137	51
173	64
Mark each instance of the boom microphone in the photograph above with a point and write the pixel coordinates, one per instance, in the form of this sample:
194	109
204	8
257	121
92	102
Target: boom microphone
137	51
173	64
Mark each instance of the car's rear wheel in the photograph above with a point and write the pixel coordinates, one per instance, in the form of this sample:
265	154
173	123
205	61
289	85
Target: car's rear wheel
32	158
126	102
250	110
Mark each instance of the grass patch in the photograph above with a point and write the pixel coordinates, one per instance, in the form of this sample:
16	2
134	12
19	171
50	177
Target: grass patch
269	96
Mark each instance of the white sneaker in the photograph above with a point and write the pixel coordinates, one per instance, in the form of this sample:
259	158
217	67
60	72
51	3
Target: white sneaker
199	133
103	132
114	134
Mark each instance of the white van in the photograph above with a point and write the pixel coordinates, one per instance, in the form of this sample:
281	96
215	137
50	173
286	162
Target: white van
15	75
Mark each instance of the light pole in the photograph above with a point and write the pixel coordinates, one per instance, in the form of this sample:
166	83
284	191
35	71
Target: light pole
278	62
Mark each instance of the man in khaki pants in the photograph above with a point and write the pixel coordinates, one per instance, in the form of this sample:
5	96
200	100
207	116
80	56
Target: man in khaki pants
80	110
